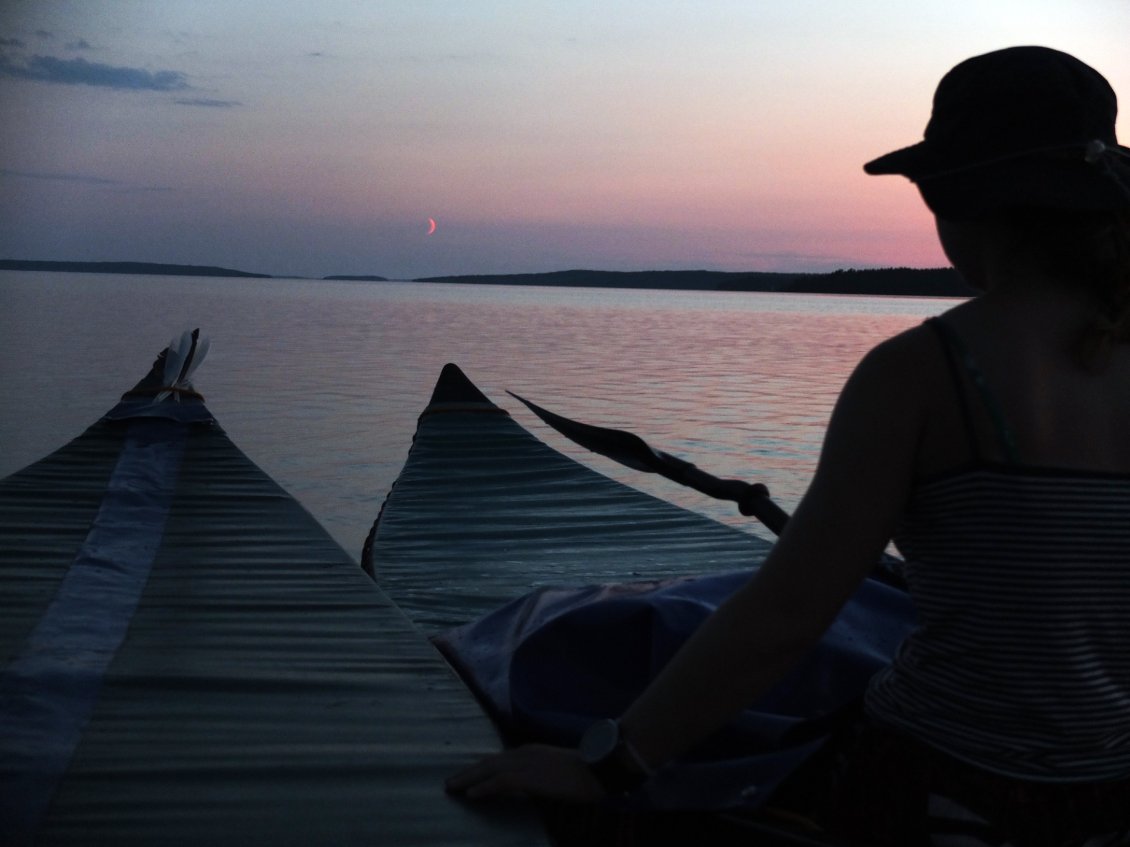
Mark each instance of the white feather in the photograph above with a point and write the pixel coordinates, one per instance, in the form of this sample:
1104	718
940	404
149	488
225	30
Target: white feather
202	344
175	356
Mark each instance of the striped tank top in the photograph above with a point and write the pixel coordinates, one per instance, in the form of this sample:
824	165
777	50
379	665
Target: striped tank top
1020	663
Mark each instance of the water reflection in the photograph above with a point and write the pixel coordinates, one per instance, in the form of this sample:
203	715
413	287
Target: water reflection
321	382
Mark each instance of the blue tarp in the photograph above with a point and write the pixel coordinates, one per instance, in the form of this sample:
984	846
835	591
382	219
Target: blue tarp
550	663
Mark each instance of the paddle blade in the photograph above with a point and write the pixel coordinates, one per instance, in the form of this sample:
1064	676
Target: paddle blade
624	447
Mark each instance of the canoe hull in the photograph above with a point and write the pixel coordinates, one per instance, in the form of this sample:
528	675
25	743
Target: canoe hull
264	690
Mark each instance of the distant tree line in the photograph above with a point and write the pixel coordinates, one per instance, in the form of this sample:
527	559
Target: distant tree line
151	268
930	282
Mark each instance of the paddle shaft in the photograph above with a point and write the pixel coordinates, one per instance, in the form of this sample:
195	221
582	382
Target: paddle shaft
752	498
631	450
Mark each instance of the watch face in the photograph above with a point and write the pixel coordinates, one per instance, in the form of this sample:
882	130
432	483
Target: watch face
599	741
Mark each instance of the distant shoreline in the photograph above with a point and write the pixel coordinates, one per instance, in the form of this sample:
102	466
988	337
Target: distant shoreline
152	268
904	282
897	282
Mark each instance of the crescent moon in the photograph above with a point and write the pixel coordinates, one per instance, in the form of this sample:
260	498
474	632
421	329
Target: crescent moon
431	225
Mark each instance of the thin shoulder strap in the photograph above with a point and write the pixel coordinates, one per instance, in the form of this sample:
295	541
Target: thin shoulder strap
961	360
958	386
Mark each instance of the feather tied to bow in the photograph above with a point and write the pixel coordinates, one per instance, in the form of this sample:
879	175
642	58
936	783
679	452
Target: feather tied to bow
182	357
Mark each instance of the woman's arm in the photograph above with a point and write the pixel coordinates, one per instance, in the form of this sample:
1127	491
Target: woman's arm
832	542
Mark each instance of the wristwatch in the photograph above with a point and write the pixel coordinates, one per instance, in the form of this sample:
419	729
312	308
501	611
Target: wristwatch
612	759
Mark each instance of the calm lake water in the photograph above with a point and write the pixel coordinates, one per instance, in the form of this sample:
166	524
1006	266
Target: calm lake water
321	382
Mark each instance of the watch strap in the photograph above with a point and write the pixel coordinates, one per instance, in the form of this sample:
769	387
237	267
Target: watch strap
621	770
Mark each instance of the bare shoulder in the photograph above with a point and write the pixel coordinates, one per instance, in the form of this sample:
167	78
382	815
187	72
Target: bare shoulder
886	402
901	369
894	403
917	343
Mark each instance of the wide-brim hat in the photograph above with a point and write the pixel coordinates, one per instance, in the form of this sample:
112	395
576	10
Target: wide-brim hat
1020	128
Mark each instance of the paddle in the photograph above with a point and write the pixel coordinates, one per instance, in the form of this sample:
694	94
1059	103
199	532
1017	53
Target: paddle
629	449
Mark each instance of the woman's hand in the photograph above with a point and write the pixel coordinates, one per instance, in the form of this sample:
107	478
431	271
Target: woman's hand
532	770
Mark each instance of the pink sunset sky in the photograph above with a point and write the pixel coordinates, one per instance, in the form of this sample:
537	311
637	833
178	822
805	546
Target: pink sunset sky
307	139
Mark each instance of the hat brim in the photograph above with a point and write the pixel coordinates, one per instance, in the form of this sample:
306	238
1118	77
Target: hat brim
1024	181
1063	184
908	161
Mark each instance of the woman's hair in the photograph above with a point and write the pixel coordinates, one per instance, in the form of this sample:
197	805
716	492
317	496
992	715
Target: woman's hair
1091	251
